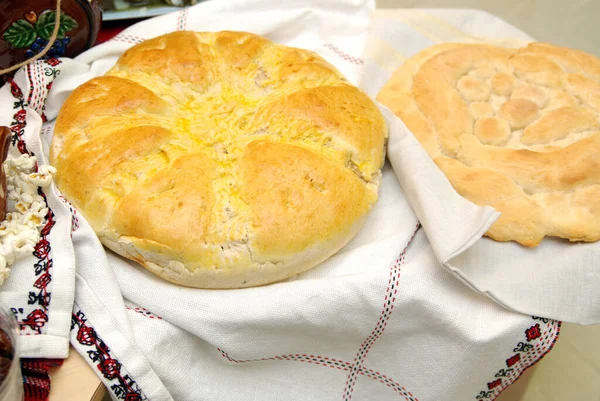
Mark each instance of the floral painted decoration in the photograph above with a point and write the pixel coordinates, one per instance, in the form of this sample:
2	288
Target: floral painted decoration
33	33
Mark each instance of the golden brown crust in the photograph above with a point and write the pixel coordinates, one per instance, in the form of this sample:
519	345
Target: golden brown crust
315	189
220	160
523	138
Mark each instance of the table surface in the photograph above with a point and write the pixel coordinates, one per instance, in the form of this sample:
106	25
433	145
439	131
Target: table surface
75	381
572	369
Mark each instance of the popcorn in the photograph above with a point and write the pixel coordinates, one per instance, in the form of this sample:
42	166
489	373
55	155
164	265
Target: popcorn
43	177
25	185
24	162
21	229
21	207
4	272
26	199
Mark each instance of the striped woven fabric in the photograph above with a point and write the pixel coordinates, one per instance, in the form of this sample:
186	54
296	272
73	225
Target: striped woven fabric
36	380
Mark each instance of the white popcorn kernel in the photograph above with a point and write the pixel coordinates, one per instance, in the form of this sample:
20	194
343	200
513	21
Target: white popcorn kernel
27	219
39	180
46	170
27	187
27	199
38	198
25	163
5	248
9	255
23	246
21	229
13	233
4	270
37	206
14	195
21	207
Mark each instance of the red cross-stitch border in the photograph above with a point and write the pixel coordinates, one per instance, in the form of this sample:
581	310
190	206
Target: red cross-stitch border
121	384
334	364
144	312
386	311
182	18
537	343
39	296
344	55
128	38
357	368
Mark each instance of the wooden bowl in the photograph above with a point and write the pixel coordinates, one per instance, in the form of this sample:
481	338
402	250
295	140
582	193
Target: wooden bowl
5	136
26	26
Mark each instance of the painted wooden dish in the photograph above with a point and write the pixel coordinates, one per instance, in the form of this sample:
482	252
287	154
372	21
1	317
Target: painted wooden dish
27	25
5	136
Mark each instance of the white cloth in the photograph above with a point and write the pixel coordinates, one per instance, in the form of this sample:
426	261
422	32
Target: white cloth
555	279
40	288
379	320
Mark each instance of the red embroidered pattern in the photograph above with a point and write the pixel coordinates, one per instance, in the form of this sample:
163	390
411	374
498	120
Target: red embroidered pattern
128	38
46	130
33	84
386	311
20	116
388	382
317	360
74	218
36	319
538	343
124	388
41	75
331	363
53	62
513	359
533	332
345	56
494	384
182	19
144	312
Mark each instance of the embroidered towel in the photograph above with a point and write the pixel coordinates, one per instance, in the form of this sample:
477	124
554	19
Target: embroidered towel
379	320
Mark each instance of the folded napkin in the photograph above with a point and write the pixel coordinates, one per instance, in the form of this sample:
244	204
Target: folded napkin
556	279
379	320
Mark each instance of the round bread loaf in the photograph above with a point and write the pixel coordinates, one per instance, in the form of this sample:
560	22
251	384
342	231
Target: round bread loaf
220	160
517	129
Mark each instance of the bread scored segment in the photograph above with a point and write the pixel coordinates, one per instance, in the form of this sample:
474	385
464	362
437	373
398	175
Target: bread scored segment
220	160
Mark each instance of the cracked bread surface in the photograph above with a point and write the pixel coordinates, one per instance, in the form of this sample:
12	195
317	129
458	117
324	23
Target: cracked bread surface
514	128
220	159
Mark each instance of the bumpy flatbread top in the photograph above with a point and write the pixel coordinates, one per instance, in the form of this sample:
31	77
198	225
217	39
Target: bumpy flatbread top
517	129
